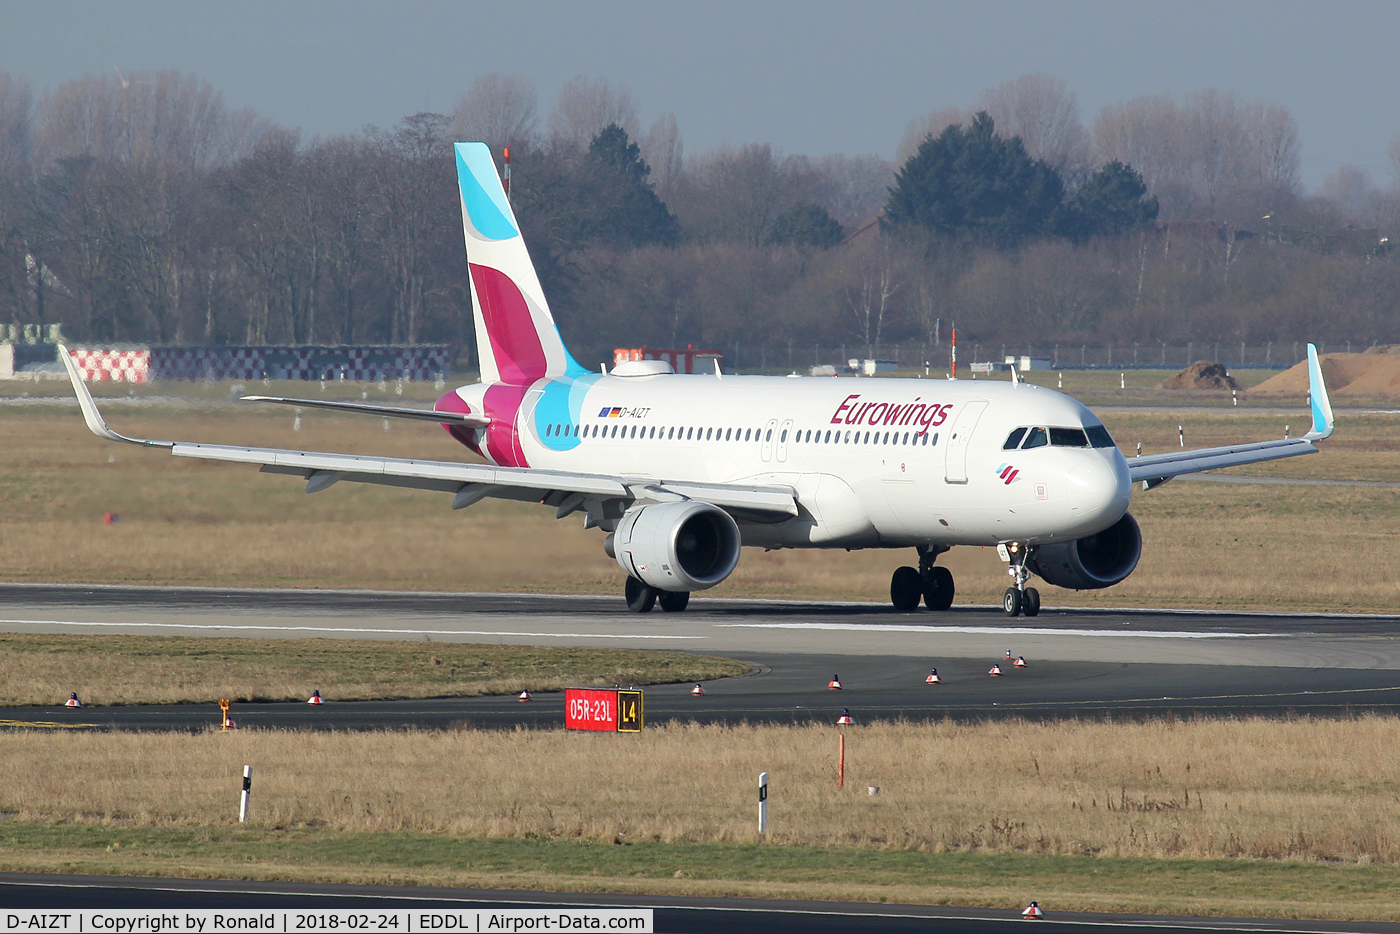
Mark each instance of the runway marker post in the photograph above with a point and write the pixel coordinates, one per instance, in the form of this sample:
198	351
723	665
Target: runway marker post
247	790
762	802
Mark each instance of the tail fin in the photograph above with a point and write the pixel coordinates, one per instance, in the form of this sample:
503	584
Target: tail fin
516	337
1323	423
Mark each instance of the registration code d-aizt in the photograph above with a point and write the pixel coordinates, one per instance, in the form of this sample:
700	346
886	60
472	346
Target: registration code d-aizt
609	711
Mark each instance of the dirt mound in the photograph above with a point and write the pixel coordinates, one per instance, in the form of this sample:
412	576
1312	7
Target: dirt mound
1201	375
1370	375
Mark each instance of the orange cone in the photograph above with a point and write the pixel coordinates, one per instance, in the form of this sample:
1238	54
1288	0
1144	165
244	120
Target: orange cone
1021	661
73	700
315	698
524	696
933	677
845	719
834	684
1033	913
697	691
995	672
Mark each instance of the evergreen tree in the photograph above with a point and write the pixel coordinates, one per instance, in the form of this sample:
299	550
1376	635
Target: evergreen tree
629	214
1112	202
971	186
806	225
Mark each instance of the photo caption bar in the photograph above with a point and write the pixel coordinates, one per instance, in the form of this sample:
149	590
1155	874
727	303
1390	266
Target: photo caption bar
338	920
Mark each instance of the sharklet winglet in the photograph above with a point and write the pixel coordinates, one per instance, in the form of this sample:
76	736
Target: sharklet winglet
96	424
1323	423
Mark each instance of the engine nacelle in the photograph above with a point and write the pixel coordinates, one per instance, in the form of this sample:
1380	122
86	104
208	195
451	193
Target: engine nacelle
676	546
1092	562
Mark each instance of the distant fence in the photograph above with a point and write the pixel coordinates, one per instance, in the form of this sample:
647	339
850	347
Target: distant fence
137	364
1276	355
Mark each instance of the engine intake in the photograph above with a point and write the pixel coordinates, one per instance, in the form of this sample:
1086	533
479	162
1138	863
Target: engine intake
676	546
1093	562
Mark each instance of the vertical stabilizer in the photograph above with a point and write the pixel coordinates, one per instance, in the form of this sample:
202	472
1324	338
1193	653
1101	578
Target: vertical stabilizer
516	337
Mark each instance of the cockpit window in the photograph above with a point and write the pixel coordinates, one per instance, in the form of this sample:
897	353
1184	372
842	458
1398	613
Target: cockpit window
1013	439
1068	438
1035	438
1099	436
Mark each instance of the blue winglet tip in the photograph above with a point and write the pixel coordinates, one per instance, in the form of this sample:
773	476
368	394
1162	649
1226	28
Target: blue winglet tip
1323	423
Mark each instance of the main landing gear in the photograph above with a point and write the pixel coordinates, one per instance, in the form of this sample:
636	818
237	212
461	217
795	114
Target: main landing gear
930	583
642	597
1019	599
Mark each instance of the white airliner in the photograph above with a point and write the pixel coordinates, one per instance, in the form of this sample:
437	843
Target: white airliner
679	471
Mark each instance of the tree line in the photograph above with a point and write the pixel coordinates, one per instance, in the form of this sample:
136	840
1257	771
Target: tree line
141	208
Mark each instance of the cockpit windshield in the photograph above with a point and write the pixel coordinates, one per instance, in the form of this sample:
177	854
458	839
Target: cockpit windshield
1089	436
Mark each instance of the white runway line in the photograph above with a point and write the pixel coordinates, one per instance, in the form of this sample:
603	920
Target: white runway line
345	629
999	630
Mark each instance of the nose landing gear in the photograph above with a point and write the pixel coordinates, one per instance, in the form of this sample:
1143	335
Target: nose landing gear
1019	599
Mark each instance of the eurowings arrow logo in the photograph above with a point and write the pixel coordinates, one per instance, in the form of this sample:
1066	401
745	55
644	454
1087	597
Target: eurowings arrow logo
1007	474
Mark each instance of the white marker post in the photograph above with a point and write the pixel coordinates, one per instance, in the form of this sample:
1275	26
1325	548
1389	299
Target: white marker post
762	802
247	789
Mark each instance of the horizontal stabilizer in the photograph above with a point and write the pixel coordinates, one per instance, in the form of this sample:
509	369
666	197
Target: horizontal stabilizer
385	411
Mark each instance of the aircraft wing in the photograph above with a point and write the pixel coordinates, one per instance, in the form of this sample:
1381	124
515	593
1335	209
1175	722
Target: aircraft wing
1156	469
567	490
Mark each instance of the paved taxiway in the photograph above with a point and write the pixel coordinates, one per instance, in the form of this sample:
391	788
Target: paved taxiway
1082	662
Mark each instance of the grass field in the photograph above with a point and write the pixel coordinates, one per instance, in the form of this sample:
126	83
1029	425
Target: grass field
192	522
1208	816
178	670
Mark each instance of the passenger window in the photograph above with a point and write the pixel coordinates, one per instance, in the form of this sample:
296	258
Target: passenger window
934	442
1013	439
1035	438
709	432
1068	438
828	437
746	433
769	435
782	438
689	434
1099	436
728	433
887	437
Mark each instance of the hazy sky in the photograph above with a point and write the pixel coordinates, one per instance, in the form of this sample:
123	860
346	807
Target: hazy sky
810	77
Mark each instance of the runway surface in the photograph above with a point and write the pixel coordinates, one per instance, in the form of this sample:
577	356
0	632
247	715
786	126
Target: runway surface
20	891
1080	662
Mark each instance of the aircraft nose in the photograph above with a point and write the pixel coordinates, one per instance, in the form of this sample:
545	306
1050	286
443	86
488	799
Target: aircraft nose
1100	488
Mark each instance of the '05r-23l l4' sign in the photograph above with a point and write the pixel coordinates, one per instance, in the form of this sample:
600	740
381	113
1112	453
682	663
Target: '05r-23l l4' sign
609	711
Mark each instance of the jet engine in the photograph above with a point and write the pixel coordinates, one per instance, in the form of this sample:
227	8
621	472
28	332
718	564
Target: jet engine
676	546
1095	561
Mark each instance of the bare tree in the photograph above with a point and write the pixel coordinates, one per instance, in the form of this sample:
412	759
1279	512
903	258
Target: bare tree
1194	154
1045	115
586	106
856	187
499	110
930	124
664	153
737	194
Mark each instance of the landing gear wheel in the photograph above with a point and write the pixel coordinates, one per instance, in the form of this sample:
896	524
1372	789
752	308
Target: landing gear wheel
673	601
640	597
1030	602
938	588
906	588
1011	601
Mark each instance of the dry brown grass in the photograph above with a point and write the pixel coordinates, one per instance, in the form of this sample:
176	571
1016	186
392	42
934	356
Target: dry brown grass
190	522
1252	788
